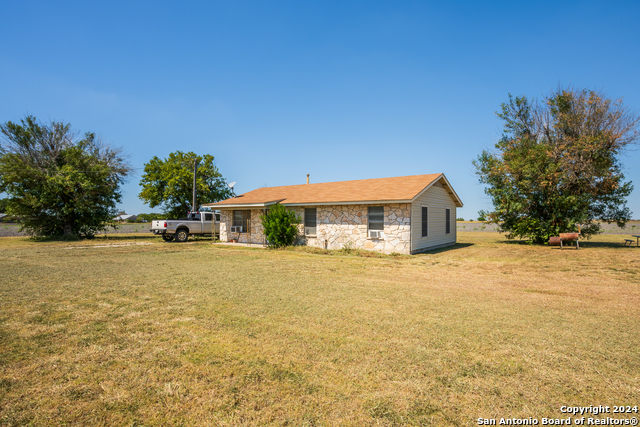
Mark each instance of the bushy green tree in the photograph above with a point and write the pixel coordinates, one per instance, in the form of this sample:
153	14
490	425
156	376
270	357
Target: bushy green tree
280	226
59	183
557	167
168	183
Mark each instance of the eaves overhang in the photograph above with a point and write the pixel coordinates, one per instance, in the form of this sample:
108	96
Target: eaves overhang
356	202
240	205
300	204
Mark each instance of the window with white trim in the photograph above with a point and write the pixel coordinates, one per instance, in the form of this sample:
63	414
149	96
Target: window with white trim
242	219
310	216
375	217
425	221
447	219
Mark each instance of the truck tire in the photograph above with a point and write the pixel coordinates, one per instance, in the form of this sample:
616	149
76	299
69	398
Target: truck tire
167	237
182	235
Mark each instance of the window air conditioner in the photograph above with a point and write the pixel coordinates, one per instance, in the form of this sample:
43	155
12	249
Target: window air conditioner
236	229
375	234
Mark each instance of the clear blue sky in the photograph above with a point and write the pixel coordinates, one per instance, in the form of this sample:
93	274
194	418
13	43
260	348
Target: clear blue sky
338	89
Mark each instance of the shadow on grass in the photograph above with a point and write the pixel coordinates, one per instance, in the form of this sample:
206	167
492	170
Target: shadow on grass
584	244
99	237
589	244
447	248
120	237
53	238
520	242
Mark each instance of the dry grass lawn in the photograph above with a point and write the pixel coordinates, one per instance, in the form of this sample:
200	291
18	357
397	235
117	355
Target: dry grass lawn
132	331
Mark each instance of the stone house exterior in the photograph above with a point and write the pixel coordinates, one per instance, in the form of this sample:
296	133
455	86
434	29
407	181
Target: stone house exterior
402	215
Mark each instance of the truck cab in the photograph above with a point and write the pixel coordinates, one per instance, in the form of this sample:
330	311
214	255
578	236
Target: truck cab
195	223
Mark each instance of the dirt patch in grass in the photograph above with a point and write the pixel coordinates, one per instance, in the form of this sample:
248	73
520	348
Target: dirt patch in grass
110	245
175	334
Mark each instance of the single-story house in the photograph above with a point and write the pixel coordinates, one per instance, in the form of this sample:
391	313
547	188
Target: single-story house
406	214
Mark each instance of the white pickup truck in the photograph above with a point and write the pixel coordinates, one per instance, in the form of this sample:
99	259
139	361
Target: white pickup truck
179	229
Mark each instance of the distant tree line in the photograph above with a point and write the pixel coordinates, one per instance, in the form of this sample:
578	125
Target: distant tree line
147	217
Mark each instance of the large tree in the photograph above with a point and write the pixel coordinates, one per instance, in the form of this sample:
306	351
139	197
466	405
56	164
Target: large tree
168	183
557	166
59	183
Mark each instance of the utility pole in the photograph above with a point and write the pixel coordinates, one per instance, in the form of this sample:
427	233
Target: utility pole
194	208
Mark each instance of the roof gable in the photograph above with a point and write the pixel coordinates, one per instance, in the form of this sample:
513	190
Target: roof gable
445	184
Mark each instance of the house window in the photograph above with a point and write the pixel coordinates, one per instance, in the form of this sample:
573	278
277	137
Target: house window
447	218
310	221
425	221
242	219
376	218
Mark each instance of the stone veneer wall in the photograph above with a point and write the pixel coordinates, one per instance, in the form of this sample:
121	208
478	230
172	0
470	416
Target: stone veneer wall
346	226
226	221
340	226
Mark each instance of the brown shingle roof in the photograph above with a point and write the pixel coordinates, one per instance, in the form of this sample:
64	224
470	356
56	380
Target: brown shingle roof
364	190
